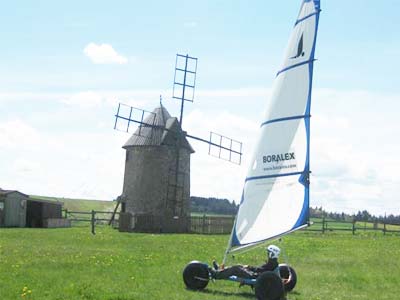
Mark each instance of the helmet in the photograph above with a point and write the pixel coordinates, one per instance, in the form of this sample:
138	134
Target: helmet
273	251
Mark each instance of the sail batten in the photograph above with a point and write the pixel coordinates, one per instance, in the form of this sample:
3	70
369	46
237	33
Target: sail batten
253	245
275	199
285	119
306	17
273	176
294	66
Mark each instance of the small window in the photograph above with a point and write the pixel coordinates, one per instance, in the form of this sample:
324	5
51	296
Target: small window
1	205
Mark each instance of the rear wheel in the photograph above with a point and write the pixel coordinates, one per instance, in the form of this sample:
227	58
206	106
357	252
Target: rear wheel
287	272
269	287
195	275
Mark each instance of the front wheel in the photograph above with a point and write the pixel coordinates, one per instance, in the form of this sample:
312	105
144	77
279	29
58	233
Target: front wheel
269	287
288	276
195	275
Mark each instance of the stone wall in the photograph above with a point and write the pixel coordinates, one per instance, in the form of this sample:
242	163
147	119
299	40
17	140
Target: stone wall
150	188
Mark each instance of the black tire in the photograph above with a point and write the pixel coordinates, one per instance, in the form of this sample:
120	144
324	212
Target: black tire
285	270
269	287
195	275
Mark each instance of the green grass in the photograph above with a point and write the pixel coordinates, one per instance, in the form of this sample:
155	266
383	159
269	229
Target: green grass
73	264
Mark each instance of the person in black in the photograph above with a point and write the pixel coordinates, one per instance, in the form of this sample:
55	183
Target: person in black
250	272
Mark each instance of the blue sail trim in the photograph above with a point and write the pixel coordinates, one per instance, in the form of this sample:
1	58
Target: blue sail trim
304	216
234	238
294	66
272	176
285	119
235	241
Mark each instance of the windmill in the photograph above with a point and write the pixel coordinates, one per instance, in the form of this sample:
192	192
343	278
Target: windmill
156	191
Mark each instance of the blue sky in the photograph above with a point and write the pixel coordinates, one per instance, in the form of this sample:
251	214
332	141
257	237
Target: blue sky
57	102
44	42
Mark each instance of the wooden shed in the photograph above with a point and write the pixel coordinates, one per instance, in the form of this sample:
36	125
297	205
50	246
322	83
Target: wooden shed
12	208
19	210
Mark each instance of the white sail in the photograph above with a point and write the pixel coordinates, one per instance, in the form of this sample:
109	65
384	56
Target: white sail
275	198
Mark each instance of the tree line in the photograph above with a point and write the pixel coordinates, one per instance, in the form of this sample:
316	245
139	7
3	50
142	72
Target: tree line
362	216
226	207
213	206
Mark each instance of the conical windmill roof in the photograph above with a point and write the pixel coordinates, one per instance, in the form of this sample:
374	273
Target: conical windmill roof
161	130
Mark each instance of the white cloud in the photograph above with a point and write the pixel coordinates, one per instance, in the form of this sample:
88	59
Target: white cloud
96	99
354	152
103	54
212	176
28	96
14	133
25	166
86	99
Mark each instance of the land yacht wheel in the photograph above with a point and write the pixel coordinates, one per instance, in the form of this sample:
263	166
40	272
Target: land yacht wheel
269	287
195	275
289	277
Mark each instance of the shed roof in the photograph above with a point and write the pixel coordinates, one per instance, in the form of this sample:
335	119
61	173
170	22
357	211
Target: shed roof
161	130
7	192
55	202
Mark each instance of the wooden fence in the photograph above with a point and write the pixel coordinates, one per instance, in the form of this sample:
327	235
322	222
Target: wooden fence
223	225
207	224
211	224
93	217
326	225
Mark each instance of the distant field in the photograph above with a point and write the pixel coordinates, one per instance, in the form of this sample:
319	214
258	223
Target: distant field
81	204
58	264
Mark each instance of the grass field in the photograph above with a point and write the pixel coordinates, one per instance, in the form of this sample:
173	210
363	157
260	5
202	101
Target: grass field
73	264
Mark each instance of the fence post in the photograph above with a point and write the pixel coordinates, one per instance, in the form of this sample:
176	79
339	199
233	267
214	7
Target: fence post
204	224
384	228
66	213
323	225
354	227
93	221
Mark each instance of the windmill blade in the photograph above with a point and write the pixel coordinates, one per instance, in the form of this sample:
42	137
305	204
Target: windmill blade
184	78
222	147
128	115
225	148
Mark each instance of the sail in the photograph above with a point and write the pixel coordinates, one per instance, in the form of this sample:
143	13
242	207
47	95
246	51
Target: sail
275	199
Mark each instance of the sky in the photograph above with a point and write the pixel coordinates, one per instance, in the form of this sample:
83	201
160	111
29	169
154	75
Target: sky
66	65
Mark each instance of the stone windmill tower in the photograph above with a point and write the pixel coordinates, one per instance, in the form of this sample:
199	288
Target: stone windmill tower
156	191
156	188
